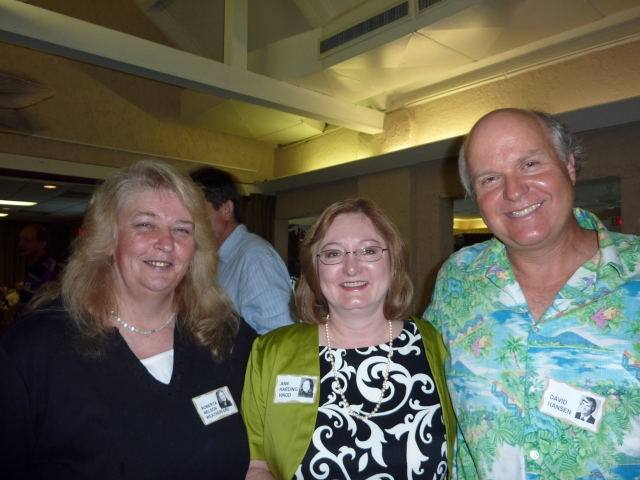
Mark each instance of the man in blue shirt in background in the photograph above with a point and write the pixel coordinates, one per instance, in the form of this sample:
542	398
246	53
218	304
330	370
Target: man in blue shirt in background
251	271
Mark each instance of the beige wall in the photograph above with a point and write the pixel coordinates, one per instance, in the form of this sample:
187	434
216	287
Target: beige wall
594	78
420	199
615	152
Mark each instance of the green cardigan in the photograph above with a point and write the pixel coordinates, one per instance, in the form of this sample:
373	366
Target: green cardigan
280	433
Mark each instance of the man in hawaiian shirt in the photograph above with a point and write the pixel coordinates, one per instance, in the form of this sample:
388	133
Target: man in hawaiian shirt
542	316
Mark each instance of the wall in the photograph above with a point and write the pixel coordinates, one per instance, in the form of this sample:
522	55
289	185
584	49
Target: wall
594	78
615	152
420	199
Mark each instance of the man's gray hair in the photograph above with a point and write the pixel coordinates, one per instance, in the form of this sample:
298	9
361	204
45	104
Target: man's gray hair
563	140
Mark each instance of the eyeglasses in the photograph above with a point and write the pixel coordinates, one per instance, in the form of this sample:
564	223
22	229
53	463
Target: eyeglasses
364	254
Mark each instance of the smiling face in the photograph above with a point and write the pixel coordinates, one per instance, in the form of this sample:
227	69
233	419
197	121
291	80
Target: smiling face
155	245
354	288
524	190
586	407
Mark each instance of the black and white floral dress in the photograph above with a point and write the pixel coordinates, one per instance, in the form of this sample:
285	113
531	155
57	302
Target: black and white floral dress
404	439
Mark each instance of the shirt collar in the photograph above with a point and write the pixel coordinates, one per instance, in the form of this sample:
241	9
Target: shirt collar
230	246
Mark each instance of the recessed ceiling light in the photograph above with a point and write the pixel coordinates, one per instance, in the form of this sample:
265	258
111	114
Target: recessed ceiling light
6	208
50	186
22	204
3	214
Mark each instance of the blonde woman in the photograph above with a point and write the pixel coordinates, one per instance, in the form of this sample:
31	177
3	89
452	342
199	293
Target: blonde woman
115	372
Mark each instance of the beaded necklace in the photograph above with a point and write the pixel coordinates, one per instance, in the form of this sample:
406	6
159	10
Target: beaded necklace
385	376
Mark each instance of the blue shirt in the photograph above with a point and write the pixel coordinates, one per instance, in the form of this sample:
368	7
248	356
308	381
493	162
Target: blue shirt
255	277
519	386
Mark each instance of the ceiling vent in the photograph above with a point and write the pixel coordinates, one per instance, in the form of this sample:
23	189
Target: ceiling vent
367	26
424	4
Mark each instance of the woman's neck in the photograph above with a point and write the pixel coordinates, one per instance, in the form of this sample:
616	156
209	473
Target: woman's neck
145	313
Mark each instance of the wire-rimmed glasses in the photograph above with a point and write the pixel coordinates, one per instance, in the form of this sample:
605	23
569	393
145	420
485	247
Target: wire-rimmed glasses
364	254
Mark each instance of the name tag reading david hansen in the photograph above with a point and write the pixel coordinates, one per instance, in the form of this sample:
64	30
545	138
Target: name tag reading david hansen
577	406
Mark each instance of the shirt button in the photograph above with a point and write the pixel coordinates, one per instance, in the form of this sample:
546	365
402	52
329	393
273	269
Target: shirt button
536	328
534	454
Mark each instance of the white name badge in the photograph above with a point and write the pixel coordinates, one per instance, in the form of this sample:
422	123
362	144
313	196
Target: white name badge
295	389
573	405
215	405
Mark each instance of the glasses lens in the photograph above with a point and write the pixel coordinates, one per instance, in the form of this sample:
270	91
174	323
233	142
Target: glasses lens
331	257
369	254
365	254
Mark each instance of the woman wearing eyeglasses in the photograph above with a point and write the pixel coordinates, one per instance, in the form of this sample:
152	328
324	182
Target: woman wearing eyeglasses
380	408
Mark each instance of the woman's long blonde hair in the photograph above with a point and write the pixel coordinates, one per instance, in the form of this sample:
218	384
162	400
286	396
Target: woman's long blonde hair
87	284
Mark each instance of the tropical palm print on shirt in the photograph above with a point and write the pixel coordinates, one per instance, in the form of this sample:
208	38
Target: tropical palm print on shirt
501	362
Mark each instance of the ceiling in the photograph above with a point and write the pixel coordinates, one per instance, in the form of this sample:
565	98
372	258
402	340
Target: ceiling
66	203
431	48
256	68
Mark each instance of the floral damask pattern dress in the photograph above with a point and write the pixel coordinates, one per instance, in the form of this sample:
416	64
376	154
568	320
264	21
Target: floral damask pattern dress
404	439
517	384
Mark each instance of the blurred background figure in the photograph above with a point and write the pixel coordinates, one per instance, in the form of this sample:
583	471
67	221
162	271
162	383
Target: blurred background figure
379	379
251	271
13	295
3	302
11	304
114	371
41	268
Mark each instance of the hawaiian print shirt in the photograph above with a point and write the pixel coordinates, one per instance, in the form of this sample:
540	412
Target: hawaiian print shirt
553	399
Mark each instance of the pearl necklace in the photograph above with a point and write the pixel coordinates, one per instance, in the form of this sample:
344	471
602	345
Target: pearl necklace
143	332
385	376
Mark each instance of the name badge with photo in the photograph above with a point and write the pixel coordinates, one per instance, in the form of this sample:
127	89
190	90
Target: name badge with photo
215	405
573	405
295	389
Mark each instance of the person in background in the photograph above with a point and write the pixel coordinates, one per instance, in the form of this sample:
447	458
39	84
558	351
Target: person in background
11	304
3	303
380	407
114	372
251	271
540	316
13	294
41	268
